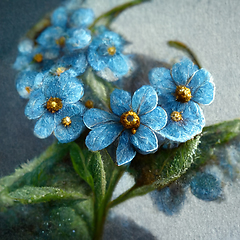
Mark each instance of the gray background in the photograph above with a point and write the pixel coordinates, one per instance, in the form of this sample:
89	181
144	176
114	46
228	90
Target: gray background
209	27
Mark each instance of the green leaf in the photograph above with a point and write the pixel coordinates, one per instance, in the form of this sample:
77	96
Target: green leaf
89	167
160	169
29	194
214	137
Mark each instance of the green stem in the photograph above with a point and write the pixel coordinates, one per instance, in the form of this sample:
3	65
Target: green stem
184	47
100	212
113	13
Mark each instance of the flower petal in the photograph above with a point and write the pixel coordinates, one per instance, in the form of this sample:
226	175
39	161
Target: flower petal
70	110
191	125
161	80
205	94
118	64
59	17
155	120
144	100
202	87
35	107
125	151
103	135
45	125
71	89
120	101
94	117
79	38
71	132
144	140
82	17
182	71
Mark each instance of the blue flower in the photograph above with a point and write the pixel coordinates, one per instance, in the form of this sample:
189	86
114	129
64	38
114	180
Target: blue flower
38	58
183	84
78	38
105	51
180	90
82	17
133	121
76	61
71	125
184	122
52	37
25	83
59	17
58	97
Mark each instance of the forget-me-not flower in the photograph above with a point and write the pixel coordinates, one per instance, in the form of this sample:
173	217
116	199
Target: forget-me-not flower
180	90
50	104
134	121
105	51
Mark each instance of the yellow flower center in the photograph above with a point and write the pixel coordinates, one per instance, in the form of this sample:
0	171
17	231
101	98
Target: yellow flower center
38	57
130	120
28	89
60	70
111	50
89	104
66	121
183	94
61	41
176	116
54	104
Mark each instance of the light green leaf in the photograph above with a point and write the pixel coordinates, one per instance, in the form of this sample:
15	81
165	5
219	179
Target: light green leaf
29	194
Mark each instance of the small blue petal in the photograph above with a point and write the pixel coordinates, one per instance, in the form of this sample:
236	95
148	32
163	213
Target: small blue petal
71	89
71	132
49	36
120	102
144	100
206	187
94	117
82	17
95	60
182	71
103	135
35	107
161	80
25	46
125	151
22	62
202	87
38	80
25	83
76	61
144	140
70	110
119	65
155	120
79	38
59	17
45	125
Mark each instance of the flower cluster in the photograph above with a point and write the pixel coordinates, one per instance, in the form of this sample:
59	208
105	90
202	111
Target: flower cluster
51	76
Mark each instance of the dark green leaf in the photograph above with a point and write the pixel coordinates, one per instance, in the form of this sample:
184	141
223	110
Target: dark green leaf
29	194
159	170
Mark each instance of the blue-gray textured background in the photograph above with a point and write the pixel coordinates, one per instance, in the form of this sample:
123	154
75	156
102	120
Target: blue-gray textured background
209	27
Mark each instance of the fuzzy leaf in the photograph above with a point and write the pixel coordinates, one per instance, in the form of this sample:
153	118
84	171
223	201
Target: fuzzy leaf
29	194
89	166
